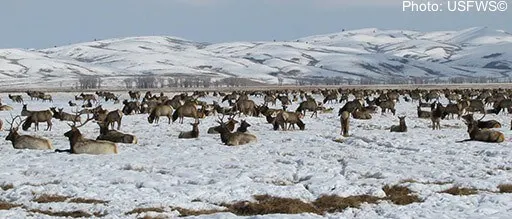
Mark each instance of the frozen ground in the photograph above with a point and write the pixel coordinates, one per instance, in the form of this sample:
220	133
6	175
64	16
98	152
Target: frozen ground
164	171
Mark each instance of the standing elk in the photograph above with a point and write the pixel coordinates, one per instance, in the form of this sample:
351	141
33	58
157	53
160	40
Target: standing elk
45	97
36	117
88	97
131	107
401	127
188	109
115	136
191	134
247	107
344	120
16	98
423	114
26	141
80	145
235	138
310	105
134	95
160	110
286	120
63	116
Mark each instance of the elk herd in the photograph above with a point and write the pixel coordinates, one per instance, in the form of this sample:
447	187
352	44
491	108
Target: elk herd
354	104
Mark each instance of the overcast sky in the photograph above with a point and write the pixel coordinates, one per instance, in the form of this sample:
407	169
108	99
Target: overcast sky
48	23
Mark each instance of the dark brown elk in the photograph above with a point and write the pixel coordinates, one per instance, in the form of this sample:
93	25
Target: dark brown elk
386	105
16	98
186	110
484	135
131	107
488	124
115	136
286	120
88	97
401	127
70	103
115	116
34	94
351	106
331	97
1	125
24	110
438	113
26	141
158	111
308	105
502	104
191	134
453	109
223	110
230	125
473	105
134	95
345	123
80	145
235	138
36	117
243	126
423	114
269	98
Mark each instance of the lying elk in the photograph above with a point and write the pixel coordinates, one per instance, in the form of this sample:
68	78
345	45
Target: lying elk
344	120
63	116
468	118
80	145
160	110
26	141
115	136
288	118
485	135
191	134
16	98
70	103
36	117
401	127
230	124
361	114
243	126
235	138
186	110
5	107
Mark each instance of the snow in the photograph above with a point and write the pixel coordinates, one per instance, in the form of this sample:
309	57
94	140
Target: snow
163	170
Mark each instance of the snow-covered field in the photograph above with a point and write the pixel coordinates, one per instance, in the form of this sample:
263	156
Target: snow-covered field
163	171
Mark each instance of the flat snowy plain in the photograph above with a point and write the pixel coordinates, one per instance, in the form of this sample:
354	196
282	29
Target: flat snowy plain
163	171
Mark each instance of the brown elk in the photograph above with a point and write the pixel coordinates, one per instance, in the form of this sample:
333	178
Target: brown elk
350	106
45	97
80	145
230	125
5	107
424	114
401	127
160	110
88	97
36	117
286	120
310	105
134	95
345	120
361	114
63	116
438	112
131	107
484	135
16	98
188	109
247	107
191	134
26	141
243	126
235	138
488	124
115	136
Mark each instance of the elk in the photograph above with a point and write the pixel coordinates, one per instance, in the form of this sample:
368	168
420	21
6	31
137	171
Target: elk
134	95
235	138
115	136
110	118
16	98
1	125
247	107
438	113
63	116
484	135
361	114
188	109
243	126
344	120
88	97
80	145
160	110
310	105
423	114
36	117
482	124
288	118
191	134
351	106
5	107
45	97
230	124
386	105
26	141
70	103
401	127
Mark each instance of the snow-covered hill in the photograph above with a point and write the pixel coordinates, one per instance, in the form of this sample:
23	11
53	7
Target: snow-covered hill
365	53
